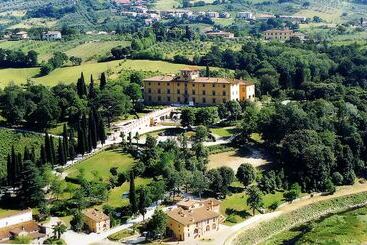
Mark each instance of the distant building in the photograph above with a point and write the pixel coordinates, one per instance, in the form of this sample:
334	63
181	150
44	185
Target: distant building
282	35
123	2
245	15
264	16
293	18
224	34
96	220
51	35
194	219
19	224
190	88
212	14
224	15
22	35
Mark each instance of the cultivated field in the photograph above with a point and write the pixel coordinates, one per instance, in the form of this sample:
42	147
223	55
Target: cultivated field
71	74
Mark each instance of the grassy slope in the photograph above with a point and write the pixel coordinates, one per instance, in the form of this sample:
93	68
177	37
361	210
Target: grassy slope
19	140
101	164
71	74
345	228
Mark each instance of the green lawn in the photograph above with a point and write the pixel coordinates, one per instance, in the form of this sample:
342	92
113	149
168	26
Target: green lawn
101	163
236	205
121	235
115	197
224	132
5	212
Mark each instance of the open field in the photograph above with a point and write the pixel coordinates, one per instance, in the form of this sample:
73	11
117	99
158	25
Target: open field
166	4
344	228
331	16
224	132
100	164
235	158
71	74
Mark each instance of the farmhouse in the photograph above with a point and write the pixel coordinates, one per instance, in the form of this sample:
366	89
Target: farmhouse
22	35
224	34
282	35
193	219
96	220
190	88
51	35
245	15
19	224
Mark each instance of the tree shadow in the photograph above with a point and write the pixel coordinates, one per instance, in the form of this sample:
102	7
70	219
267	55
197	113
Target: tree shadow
243	213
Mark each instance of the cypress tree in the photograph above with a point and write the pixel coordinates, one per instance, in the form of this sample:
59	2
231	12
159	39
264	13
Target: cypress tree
61	153
9	171
92	92
89	142
19	165
65	141
92	129
132	194
14	165
26	154
81	143
48	148
33	155
80	86
71	148
103	81
102	132
207	71
43	156
84	125
53	153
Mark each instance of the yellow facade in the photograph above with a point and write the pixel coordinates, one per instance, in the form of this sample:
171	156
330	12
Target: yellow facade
96	221
192	231
189	88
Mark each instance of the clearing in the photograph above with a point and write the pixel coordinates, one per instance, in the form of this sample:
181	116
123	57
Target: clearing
235	158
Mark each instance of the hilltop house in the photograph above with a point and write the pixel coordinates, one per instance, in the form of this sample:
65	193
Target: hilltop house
190	88
96	220
193	219
19	223
22	35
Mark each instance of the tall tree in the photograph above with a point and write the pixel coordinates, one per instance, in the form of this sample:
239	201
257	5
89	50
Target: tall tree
143	202
43	156
31	193
71	143
92	129
80	86
61	153
53	152
246	174
92	92
48	149
65	141
103	81
254	200
102	132
132	194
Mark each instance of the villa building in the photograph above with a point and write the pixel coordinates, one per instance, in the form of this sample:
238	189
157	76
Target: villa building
51	35
96	220
194	219
282	35
190	88
18	224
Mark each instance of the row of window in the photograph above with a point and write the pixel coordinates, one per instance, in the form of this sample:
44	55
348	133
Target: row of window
224	93
159	99
193	85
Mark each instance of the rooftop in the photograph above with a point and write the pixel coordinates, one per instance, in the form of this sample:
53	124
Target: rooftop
191	216
29	226
95	215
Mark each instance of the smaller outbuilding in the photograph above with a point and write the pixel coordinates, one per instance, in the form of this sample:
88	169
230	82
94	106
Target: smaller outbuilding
96	220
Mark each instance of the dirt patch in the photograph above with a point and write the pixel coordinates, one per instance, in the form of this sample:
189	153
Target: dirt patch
234	159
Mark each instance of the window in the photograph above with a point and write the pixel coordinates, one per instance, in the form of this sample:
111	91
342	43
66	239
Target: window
213	85
159	91
213	92
203	92
149	90
193	100
149	83
159	84
204	100
193	91
168	91
224	85
168	98
214	101
159	98
193	85
178	91
178	84
203	85
179	99
224	93
224	100
167	84
150	98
